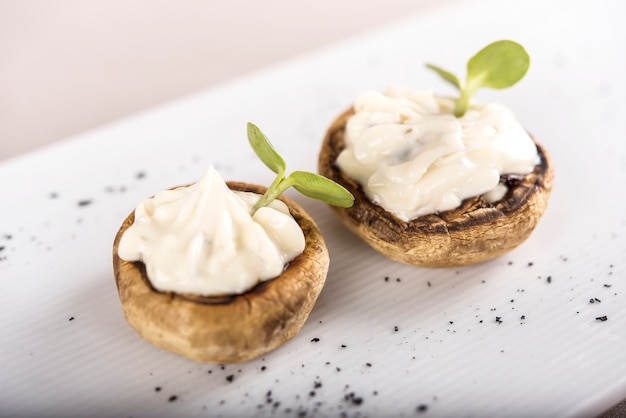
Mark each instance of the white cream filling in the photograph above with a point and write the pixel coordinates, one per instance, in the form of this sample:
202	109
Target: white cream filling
201	239
413	157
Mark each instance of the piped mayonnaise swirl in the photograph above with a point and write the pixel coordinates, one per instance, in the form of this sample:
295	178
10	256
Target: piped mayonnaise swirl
413	157
201	239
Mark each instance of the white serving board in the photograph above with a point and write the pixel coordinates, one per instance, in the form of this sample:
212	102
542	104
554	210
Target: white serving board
67	351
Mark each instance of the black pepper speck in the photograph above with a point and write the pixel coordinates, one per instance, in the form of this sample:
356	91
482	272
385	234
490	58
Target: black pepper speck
85	202
230	378
602	318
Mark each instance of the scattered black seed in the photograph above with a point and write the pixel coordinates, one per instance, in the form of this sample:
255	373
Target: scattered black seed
312	393
140	175
398	279
451	322
368	364
315	340
2	248
343	346
172	398
263	368
230	378
422	408
386	278
429	284
549	279
317	384
85	202
351	397
53	195
512	300
338	369
499	319
157	389
530	264
71	318
602	318
607	285
522	317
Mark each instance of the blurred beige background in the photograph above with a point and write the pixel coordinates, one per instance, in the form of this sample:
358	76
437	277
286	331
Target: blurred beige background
70	65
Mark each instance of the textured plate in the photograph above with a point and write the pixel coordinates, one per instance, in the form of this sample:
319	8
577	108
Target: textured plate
518	336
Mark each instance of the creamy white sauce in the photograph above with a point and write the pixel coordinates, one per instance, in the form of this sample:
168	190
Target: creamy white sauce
201	239
413	157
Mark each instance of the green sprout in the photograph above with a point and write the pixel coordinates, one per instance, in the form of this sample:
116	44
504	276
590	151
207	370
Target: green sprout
309	184
499	65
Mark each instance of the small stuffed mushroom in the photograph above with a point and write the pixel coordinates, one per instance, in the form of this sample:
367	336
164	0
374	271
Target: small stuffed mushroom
232	328
441	181
223	272
474	232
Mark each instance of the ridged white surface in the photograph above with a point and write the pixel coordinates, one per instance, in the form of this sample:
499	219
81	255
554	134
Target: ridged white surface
546	356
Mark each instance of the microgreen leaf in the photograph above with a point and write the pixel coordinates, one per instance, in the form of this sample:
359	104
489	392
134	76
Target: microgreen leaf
309	184
320	188
264	150
446	75
499	65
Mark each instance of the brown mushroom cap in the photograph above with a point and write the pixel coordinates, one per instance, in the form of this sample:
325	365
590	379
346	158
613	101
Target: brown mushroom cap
227	329
477	231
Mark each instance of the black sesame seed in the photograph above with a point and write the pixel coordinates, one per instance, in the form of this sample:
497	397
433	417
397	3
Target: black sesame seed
422	408
85	202
263	368
71	318
230	378
368	364
607	285
395	328
602	318
549	279
140	175
343	346
172	398
530	264
315	340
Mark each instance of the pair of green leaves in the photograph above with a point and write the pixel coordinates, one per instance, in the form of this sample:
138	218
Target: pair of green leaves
499	65
309	184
